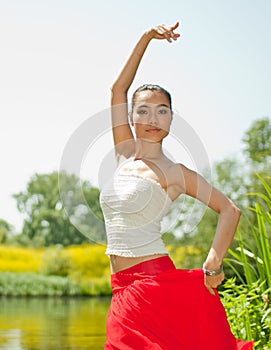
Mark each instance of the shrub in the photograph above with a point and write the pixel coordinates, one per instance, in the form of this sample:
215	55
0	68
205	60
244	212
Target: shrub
32	284
251	300
55	261
89	261
253	310
86	266
186	257
19	259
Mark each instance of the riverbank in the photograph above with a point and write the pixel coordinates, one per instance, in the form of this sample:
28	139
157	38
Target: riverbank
54	271
35	285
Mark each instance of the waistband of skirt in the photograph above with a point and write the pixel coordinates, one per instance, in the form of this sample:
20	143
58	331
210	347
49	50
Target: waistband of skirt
152	267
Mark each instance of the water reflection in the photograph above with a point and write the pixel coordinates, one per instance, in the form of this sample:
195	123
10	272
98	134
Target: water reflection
54	323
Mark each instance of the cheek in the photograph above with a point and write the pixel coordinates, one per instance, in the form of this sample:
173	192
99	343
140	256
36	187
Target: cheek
139	119
165	124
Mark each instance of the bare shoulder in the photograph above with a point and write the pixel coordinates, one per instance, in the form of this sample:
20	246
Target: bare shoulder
183	178
178	172
190	179
185	173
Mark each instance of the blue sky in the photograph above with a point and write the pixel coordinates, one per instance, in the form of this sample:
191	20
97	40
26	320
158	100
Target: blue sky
59	58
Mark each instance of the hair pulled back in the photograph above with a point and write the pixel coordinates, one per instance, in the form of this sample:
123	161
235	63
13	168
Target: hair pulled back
151	87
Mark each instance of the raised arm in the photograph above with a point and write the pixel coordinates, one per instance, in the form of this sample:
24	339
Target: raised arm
122	133
197	187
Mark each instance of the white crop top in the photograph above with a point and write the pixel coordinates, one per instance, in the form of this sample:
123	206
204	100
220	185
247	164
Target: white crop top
133	208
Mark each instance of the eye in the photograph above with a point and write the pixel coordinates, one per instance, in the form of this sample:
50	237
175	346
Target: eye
142	111
163	111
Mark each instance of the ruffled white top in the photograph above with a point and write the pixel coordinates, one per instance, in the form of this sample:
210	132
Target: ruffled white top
133	208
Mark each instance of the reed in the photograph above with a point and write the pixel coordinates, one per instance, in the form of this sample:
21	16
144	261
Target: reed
249	298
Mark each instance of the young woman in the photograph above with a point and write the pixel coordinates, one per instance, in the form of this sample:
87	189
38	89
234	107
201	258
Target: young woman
155	305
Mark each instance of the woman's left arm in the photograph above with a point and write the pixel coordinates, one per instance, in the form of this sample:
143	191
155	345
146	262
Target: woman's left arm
196	186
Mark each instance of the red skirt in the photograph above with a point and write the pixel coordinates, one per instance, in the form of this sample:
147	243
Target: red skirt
156	306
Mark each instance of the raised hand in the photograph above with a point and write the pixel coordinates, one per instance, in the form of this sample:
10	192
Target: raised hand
164	31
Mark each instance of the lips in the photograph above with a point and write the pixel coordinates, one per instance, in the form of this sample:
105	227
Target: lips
153	130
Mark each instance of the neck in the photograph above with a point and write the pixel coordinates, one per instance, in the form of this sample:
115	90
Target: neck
146	149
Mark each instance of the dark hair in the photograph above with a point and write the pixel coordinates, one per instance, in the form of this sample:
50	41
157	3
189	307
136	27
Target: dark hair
151	87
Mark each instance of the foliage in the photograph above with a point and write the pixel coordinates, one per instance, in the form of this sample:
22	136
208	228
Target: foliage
251	300
81	202
255	259
185	257
5	230
258	141
232	176
86	266
31	284
45	219
19	259
96	286
55	261
88	261
253	310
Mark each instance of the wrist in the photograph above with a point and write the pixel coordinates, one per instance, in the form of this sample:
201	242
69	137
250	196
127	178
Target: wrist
212	265
213	272
213	260
149	34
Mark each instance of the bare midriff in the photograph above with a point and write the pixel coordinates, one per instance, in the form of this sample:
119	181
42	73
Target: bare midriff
119	263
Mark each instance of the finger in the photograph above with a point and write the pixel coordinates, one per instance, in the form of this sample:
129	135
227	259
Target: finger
166	32
213	281
210	289
176	36
176	25
168	36
213	284
171	29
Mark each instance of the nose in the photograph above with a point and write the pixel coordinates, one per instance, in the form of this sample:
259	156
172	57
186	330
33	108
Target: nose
153	120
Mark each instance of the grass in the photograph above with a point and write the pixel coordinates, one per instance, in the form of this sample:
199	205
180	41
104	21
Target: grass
250	299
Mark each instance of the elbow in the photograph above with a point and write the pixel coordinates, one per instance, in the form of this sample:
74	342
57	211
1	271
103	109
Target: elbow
236	212
113	87
117	87
230	210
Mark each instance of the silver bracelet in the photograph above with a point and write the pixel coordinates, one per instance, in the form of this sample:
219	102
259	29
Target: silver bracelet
212	272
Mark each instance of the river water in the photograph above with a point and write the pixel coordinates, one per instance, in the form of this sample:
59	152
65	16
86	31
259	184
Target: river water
52	323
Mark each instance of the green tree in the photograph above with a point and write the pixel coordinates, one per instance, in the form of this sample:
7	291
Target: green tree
46	219
231	176
258	141
6	230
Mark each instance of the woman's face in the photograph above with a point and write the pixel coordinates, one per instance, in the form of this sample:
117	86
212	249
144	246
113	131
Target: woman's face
151	116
